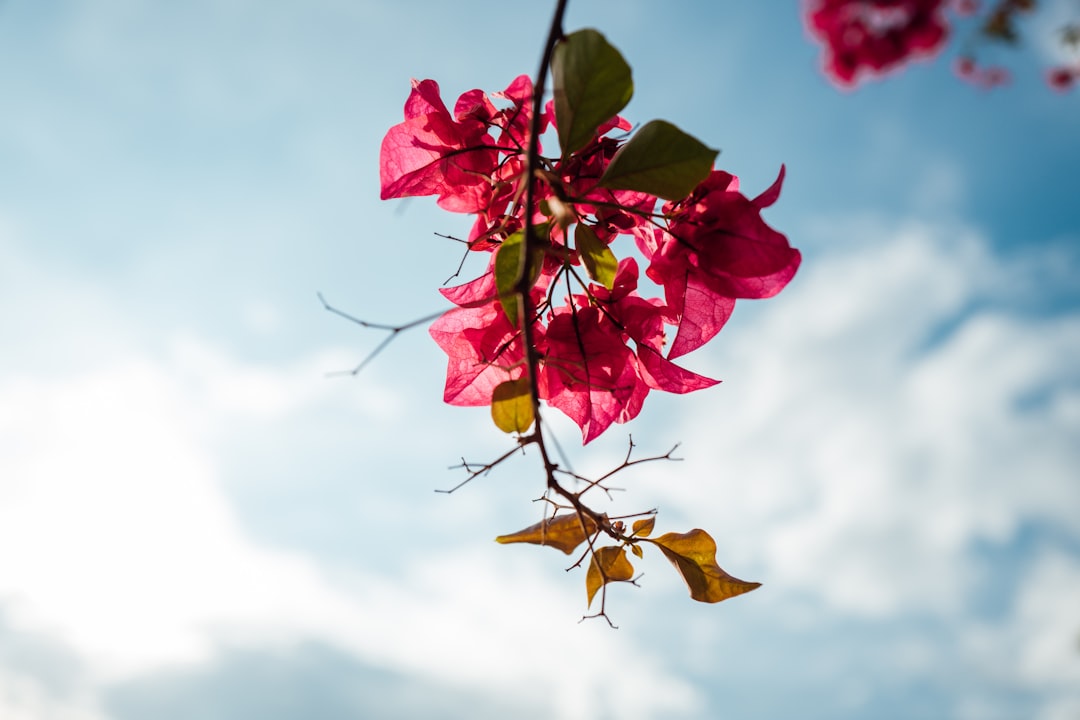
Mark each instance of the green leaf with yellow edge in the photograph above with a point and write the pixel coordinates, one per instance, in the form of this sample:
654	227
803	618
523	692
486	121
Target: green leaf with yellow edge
609	564
512	406
591	84
662	160
562	532
600	262
694	555
507	266
644	526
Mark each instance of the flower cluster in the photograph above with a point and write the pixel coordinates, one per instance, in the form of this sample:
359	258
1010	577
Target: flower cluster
866	38
873	37
601	346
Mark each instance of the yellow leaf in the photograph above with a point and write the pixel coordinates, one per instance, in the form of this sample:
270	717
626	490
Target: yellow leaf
562	532
512	406
694	555
644	526
599	261
636	549
609	564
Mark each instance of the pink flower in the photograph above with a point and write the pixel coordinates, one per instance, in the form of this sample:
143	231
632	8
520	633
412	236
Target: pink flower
600	354
965	67
716	249
642	321
871	37
454	157
590	373
483	349
1061	78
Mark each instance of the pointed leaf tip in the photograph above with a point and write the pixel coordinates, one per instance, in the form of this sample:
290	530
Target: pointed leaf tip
562	532
694	555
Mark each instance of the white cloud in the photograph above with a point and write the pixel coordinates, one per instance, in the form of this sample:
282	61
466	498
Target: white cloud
1046	28
1048	640
22	698
866	444
115	537
883	417
1037	645
118	541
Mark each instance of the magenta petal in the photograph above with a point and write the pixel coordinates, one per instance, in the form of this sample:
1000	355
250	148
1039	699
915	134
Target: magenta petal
472	293
481	354
704	313
770	195
662	374
591	374
425	100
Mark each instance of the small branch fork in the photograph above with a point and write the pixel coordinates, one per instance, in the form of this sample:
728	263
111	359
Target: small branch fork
392	329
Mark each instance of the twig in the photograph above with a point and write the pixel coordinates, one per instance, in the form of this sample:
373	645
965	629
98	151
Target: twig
392	329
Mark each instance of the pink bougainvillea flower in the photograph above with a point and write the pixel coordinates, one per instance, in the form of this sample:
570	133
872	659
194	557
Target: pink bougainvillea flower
432	153
599	355
590	373
515	120
715	250
872	37
454	157
965	68
484	350
642	321
1061	78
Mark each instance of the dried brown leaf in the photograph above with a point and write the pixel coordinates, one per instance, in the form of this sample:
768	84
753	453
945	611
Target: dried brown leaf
562	532
609	564
694	555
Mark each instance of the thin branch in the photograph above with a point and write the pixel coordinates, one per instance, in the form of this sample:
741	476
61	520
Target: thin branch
475	472
392	329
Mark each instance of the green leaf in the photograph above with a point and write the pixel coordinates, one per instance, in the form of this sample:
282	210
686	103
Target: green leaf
694	555
562	532
609	564
507	265
597	256
592	83
512	406
662	160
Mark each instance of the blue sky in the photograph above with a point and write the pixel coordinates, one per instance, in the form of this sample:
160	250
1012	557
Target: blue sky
196	522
